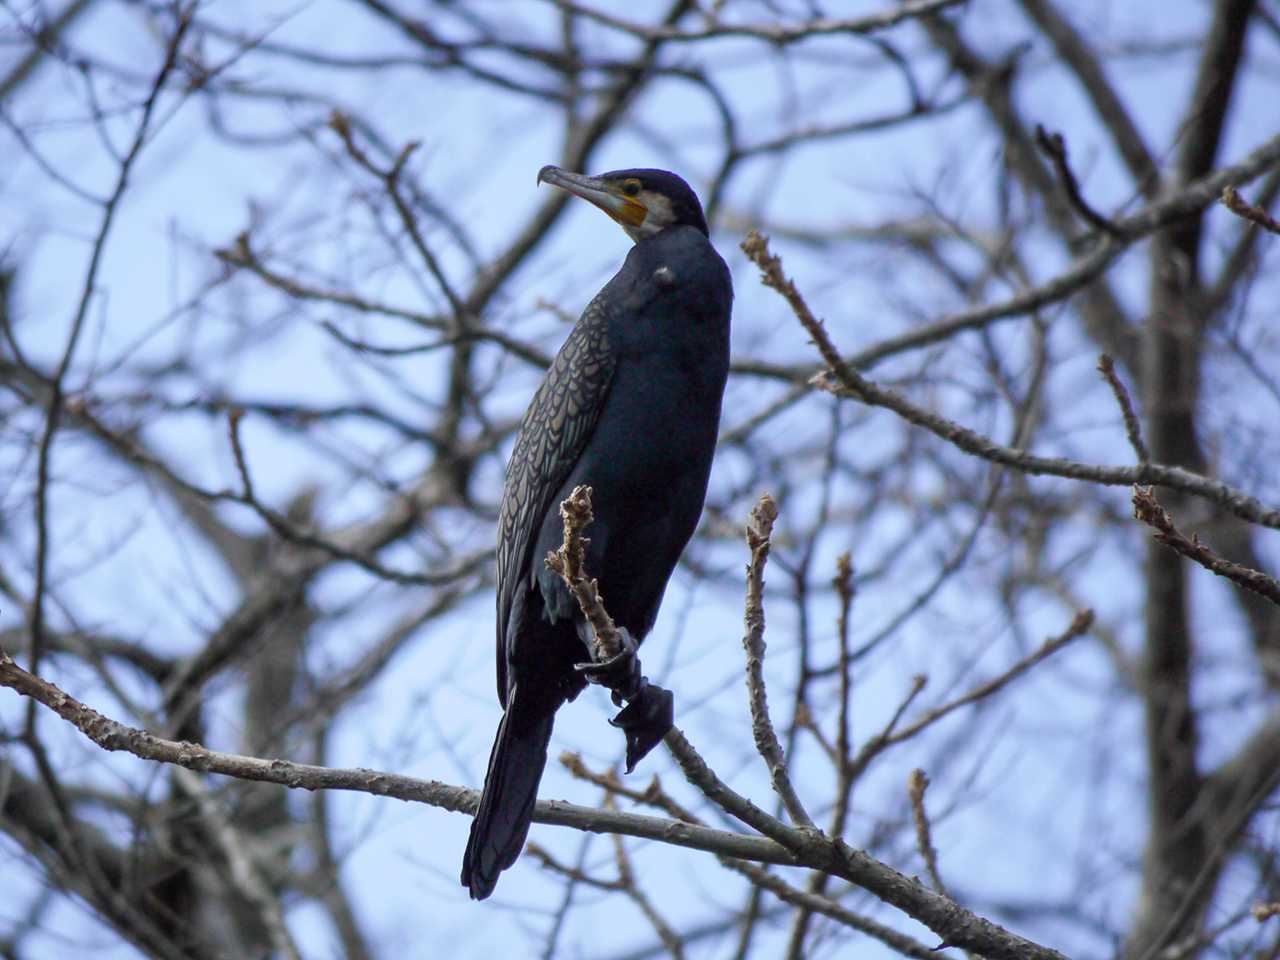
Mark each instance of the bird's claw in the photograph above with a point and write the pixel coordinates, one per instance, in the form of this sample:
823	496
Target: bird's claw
645	720
650	709
620	673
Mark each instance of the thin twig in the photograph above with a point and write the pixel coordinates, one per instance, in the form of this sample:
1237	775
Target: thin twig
1078	627
1265	911
818	882
809	900
876	745
1078	52
1054	146
849	383
390	178
1148	509
242	256
653	795
53	415
842	379
1132	426
234	416
759	530
817	903
697	771
771	32
843	582
297	535
574	875
756	247
1086	268
917	784
1243	208
551	946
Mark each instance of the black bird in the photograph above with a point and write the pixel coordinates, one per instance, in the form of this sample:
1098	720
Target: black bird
631	407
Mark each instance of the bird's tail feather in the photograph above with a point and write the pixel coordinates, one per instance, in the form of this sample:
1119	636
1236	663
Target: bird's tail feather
510	790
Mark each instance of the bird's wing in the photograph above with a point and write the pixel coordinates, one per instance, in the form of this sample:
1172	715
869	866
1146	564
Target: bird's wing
555	429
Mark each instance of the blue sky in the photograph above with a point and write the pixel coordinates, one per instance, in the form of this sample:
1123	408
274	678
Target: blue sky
125	556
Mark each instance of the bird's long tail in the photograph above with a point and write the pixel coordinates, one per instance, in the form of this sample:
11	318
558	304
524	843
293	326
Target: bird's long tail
510	790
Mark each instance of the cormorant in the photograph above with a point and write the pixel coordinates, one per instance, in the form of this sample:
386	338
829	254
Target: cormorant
630	407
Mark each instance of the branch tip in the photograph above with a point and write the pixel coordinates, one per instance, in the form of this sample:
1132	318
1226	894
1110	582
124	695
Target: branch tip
1232	200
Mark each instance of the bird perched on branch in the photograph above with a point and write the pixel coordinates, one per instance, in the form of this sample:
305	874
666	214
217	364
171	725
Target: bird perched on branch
630	407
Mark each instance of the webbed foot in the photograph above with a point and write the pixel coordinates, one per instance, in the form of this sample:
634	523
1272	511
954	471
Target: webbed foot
650	709
645	720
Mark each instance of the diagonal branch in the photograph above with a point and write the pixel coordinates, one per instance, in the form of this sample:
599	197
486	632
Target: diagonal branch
954	924
111	735
1147	509
1054	146
842	379
1249	211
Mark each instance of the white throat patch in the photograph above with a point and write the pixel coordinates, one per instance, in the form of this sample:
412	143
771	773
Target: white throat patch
659	217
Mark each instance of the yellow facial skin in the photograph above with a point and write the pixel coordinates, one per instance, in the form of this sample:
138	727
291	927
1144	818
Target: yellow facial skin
633	209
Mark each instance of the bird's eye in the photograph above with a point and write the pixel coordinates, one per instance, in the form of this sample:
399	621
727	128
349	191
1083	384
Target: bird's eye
631	188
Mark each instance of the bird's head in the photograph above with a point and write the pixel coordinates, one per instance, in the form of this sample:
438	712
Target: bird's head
643	202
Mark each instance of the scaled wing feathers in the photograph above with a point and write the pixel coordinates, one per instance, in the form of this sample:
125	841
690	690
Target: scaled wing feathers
554	432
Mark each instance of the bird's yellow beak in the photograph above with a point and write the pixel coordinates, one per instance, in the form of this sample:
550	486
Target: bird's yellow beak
608	196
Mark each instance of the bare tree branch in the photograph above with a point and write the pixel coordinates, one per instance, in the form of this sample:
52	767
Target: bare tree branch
1237	205
770	32
1147	509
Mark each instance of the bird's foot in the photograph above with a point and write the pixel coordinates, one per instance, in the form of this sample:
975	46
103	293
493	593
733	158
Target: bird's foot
645	720
620	673
650	709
